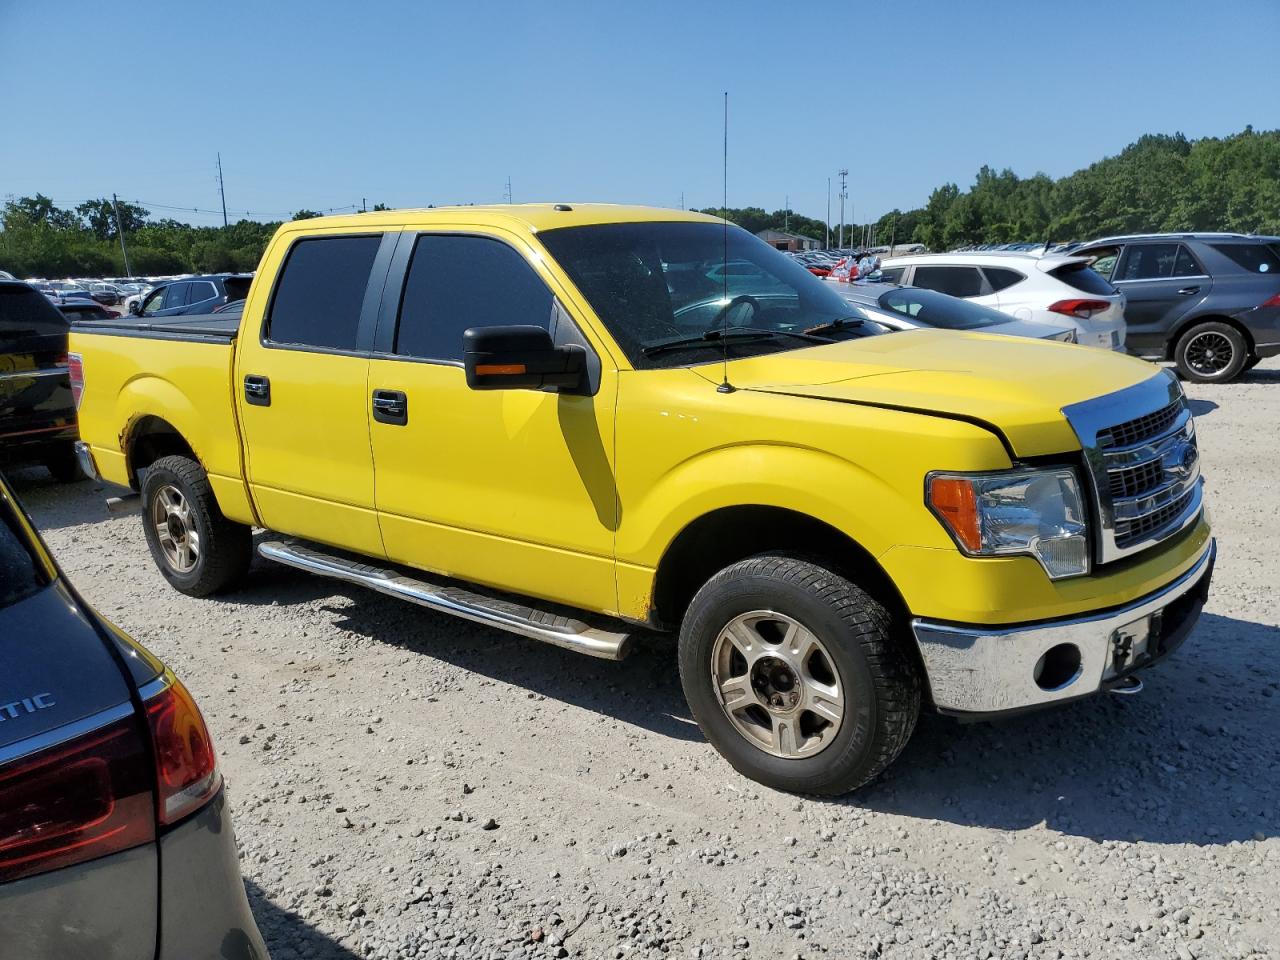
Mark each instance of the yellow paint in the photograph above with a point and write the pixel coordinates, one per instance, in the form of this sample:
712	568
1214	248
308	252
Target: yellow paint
576	499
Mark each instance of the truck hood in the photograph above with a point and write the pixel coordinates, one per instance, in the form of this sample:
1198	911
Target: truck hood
1013	386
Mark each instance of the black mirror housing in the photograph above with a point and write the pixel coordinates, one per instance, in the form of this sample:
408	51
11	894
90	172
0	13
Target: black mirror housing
520	358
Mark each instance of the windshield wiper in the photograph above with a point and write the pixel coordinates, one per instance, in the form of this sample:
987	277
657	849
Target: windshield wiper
718	335
840	323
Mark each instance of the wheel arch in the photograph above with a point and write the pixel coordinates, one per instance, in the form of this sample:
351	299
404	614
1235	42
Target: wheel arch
148	438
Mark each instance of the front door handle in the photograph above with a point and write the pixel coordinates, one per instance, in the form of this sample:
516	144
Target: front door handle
1188	291
257	390
391	406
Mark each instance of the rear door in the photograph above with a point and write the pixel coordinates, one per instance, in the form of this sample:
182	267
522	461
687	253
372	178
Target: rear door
302	369
35	396
1161	281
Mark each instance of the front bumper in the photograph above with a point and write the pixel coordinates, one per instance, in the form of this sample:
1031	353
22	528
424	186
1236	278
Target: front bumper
976	671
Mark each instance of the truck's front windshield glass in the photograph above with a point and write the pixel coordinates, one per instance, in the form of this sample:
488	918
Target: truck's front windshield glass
662	288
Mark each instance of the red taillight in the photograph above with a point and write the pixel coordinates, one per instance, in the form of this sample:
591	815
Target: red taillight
1272	302
75	369
186	766
1083	309
76	802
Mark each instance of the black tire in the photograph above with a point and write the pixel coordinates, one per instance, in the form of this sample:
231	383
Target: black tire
64	465
1211	352
881	682
225	549
1251	363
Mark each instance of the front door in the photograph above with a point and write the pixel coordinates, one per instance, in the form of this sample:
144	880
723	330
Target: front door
302	386
509	488
1161	281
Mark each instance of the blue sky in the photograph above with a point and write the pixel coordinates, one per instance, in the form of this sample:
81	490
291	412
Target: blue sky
320	104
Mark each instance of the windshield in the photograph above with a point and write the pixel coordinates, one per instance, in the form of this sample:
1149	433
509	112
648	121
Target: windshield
935	309
653	284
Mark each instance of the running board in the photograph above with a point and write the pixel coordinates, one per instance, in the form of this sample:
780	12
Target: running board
457	601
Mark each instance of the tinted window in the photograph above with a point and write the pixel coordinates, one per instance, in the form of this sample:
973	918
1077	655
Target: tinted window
19	575
175	295
201	290
954	281
892	274
320	292
1148	261
459	282
1084	278
26	312
1001	279
939	310
154	302
1254	257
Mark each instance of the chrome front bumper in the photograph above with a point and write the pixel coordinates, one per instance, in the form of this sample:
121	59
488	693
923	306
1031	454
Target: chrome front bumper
979	671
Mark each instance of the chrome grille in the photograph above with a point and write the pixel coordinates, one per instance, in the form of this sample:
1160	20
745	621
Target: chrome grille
1144	470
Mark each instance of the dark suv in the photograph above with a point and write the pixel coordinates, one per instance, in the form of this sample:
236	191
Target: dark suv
1210	302
193	295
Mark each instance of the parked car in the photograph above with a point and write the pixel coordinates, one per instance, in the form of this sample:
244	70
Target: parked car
1210	302
913	308
554	421
37	411
115	833
1053	288
85	310
193	295
107	294
6	275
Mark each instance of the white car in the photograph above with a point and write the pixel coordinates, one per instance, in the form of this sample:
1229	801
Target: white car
1053	288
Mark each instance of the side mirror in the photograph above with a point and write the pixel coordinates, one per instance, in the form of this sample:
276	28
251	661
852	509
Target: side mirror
520	358
135	308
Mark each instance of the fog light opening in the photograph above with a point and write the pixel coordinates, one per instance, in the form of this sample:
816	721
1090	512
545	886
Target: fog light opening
1058	667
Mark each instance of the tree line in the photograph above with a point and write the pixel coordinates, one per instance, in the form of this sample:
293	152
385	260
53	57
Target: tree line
1157	183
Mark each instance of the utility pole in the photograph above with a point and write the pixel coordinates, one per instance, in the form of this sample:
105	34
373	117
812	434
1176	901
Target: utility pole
364	204
786	214
844	193
115	205
508	193
222	190
681	199
828	243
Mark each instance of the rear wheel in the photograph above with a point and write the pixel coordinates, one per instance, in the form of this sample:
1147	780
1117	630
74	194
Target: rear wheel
64	465
792	673
1212	352
198	550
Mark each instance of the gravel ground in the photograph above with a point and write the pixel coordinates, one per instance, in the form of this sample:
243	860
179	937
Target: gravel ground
409	785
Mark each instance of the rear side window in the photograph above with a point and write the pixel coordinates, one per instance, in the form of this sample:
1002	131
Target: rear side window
1254	257
320	292
892	274
1002	278
954	281
19	575
1084	278
459	282
1148	261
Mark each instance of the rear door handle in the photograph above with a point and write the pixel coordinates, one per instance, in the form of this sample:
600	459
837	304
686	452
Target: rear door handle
257	390
1188	291
391	406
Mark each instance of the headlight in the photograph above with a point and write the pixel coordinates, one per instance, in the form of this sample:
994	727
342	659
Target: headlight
1035	512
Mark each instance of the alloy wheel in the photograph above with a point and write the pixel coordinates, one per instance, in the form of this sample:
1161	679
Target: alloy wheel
1209	353
175	528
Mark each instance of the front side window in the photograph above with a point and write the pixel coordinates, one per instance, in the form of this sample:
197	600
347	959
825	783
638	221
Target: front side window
459	282
668	292
320	292
1148	261
174	295
953	281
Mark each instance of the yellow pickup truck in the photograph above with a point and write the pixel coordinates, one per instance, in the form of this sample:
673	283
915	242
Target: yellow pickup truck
582	423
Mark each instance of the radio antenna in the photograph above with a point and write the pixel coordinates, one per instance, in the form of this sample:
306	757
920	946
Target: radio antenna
725	385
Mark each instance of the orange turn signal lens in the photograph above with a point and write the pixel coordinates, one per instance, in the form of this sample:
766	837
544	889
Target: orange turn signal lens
953	499
499	369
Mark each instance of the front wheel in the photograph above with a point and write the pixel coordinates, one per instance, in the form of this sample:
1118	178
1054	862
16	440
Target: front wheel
794	676
1211	352
198	550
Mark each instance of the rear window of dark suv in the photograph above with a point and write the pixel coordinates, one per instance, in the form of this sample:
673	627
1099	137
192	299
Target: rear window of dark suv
20	576
1254	257
25	313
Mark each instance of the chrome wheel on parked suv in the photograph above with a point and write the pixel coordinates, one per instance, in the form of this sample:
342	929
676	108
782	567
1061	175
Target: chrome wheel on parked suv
1211	353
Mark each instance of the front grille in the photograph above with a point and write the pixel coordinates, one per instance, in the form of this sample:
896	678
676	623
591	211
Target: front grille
1134	481
1141	428
1129	532
1145	470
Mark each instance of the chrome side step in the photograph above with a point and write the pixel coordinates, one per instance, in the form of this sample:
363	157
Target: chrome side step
506	615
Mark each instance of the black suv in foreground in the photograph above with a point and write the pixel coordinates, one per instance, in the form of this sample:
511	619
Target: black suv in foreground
1210	302
37	412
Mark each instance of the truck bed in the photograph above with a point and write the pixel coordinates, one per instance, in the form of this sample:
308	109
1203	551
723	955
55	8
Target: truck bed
200	328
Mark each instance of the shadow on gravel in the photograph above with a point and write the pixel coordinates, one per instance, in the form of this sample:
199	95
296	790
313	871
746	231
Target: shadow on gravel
1201	408
289	936
54	505
1259	375
643	690
1193	759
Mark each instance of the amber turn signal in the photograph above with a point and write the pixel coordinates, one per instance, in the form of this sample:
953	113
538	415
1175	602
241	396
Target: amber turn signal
500	369
954	501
